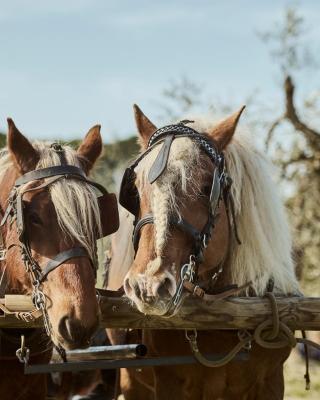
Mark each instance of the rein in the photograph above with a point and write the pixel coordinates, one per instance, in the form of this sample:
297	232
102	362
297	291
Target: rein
220	191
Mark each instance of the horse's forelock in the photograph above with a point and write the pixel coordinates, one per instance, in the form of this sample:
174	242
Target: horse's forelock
75	201
181	176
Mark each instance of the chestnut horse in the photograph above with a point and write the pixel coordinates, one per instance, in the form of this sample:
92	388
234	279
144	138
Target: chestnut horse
51	219
189	214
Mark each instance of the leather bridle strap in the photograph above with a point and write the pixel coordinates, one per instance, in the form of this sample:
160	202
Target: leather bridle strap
147	219
227	291
182	225
61	258
57	170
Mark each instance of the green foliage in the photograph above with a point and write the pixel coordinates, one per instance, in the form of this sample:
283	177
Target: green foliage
2	140
115	157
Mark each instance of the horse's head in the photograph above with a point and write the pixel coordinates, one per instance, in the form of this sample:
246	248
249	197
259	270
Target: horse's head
58	216
180	182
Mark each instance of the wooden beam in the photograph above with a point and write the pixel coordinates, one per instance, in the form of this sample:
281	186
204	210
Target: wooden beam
232	313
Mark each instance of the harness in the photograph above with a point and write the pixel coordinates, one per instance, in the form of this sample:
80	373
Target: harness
220	191
109	219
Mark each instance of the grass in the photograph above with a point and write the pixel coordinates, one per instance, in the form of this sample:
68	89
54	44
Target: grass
294	379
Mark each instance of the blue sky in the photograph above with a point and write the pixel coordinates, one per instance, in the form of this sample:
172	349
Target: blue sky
66	65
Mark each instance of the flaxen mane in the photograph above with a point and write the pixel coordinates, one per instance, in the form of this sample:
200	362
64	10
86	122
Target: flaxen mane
75	201
266	240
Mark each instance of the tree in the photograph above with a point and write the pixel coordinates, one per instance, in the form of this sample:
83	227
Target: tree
299	159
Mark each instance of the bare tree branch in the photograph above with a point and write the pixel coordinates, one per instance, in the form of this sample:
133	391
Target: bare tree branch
271	130
312	136
302	157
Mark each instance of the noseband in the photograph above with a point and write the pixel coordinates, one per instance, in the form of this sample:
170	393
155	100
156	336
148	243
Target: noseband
220	190
15	212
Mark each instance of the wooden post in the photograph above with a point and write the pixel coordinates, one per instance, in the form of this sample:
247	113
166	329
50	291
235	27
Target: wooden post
232	313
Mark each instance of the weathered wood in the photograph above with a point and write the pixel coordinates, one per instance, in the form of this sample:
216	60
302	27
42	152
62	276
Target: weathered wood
18	302
232	313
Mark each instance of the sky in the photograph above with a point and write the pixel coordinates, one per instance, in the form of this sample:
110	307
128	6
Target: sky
67	65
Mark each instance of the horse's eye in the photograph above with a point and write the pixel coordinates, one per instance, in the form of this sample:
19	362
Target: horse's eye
206	190
35	219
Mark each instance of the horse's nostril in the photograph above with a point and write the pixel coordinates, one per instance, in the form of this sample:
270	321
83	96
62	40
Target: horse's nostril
127	287
74	333
65	328
164	288
149	299
131	286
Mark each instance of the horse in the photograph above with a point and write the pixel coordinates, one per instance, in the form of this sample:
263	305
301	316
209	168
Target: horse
51	216
206	215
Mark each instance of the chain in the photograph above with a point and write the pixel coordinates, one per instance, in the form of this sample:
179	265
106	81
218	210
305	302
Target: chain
39	300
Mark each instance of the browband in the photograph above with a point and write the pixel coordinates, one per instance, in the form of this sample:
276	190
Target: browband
56	170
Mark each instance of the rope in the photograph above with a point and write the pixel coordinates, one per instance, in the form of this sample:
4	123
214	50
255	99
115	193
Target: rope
269	334
192	338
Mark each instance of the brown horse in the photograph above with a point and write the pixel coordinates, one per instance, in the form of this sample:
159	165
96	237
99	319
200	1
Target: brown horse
189	220
51	219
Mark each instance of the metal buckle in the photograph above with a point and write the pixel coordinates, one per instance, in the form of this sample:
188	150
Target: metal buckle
187	273
23	352
216	274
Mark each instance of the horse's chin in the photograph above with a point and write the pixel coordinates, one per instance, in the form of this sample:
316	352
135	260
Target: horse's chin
160	308
60	342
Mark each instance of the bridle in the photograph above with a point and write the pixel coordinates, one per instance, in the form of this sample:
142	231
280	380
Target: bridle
220	190
15	212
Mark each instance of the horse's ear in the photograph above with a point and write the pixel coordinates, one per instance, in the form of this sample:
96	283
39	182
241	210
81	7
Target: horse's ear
144	125
91	148
223	132
21	150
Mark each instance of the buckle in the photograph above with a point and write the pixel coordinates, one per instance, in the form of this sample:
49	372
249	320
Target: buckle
3	254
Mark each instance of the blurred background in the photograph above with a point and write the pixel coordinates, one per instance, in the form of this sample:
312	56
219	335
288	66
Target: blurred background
65	66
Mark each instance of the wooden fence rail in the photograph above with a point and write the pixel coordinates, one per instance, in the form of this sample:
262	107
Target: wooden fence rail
232	313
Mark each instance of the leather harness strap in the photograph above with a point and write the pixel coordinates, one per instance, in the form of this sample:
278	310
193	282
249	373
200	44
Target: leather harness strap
61	258
227	291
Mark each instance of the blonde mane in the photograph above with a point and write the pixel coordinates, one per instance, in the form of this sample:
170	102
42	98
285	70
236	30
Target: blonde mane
266	250
75	201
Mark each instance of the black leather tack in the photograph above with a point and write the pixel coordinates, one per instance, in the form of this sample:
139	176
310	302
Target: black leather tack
161	161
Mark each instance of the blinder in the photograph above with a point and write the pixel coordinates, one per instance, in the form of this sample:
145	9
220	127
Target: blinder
109	215
128	195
